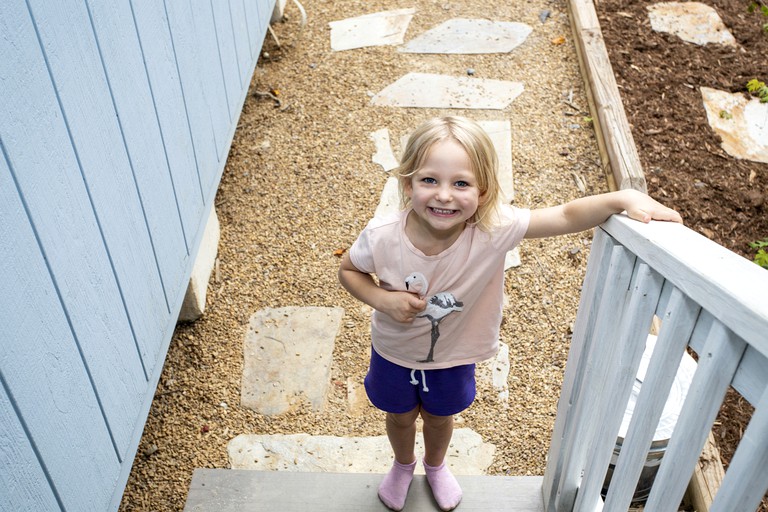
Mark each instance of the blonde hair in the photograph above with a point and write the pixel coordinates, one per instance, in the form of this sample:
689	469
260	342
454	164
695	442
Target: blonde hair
482	156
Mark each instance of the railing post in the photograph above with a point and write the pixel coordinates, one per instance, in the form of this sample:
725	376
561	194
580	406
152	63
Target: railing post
625	353
746	481
594	283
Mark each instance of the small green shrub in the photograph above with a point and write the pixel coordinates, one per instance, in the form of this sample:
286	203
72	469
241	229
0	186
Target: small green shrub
759	89
759	5
761	256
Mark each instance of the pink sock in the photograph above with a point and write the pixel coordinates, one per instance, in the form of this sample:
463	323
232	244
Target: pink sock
394	488
445	488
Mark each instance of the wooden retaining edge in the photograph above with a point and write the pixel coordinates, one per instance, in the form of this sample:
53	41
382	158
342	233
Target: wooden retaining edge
614	138
623	170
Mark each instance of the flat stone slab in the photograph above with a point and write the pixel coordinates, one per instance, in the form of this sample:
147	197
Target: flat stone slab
742	124
389	201
467	454
287	358
693	22
384	155
496	372
426	90
376	29
470	36
500	133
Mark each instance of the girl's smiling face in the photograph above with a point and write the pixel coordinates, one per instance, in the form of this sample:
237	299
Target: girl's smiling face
443	191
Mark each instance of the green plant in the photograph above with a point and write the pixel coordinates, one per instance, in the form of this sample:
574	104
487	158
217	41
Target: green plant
761	256
759	89
760	5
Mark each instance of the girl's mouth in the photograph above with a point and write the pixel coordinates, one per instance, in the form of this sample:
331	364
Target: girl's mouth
442	212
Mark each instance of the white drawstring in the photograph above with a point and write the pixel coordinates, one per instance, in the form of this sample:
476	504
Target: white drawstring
423	380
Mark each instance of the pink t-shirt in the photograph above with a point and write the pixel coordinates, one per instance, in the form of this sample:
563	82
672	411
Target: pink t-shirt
465	290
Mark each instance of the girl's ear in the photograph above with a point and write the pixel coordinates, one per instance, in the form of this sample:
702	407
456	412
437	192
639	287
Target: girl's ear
408	187
482	198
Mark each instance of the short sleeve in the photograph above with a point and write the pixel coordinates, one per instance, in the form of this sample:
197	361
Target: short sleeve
361	253
514	225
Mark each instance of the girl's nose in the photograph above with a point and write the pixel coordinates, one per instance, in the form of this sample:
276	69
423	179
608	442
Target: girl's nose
443	194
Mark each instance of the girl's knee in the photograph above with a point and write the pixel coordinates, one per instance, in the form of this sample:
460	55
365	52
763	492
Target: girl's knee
405	419
435	421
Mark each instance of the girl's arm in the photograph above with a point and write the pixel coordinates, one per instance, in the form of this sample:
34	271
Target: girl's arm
401	306
588	212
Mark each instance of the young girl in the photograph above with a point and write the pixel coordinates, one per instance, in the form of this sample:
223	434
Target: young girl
438	300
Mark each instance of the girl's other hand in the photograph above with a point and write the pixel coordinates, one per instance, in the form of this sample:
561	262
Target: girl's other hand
403	306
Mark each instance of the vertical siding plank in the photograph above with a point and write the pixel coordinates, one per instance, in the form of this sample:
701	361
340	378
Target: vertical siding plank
212	76
127	79
78	75
23	483
251	8
37	145
171	114
265	15
204	112
41	369
227	49
243	48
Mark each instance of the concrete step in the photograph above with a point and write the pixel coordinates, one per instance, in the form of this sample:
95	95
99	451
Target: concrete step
229	490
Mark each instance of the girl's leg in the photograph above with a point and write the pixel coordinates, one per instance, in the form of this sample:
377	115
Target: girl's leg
401	431
437	436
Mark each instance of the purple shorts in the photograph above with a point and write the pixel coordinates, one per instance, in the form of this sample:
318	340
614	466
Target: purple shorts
393	388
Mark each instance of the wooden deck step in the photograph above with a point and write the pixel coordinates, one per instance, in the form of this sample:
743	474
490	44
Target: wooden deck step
228	490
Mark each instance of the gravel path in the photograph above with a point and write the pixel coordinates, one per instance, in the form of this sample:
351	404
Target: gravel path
299	185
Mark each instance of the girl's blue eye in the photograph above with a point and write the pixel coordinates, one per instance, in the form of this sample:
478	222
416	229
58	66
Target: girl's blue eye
429	180
462	184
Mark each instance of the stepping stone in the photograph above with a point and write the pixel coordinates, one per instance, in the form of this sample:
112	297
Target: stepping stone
287	358
389	202
467	454
693	22
426	90
496	371
384	156
500	133
742	124
376	29
467	36
357	398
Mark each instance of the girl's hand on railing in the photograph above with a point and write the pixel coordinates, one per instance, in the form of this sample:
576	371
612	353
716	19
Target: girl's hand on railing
644	208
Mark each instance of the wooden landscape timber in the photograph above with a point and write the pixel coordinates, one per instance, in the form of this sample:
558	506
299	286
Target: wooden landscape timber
614	138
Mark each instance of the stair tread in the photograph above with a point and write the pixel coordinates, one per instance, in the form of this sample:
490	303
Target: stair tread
228	490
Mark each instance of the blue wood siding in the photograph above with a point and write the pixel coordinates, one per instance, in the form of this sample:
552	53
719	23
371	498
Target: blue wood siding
116	117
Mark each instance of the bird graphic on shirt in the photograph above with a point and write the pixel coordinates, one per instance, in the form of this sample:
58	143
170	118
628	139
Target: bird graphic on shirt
438	307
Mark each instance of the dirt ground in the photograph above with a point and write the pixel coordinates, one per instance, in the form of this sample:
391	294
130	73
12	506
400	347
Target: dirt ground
659	77
299	185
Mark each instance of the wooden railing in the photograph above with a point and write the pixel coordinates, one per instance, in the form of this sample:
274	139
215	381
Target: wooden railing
707	298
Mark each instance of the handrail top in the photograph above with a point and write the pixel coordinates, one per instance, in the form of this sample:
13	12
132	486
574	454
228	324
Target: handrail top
733	289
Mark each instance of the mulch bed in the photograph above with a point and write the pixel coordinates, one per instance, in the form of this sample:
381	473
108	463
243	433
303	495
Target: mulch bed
721	197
